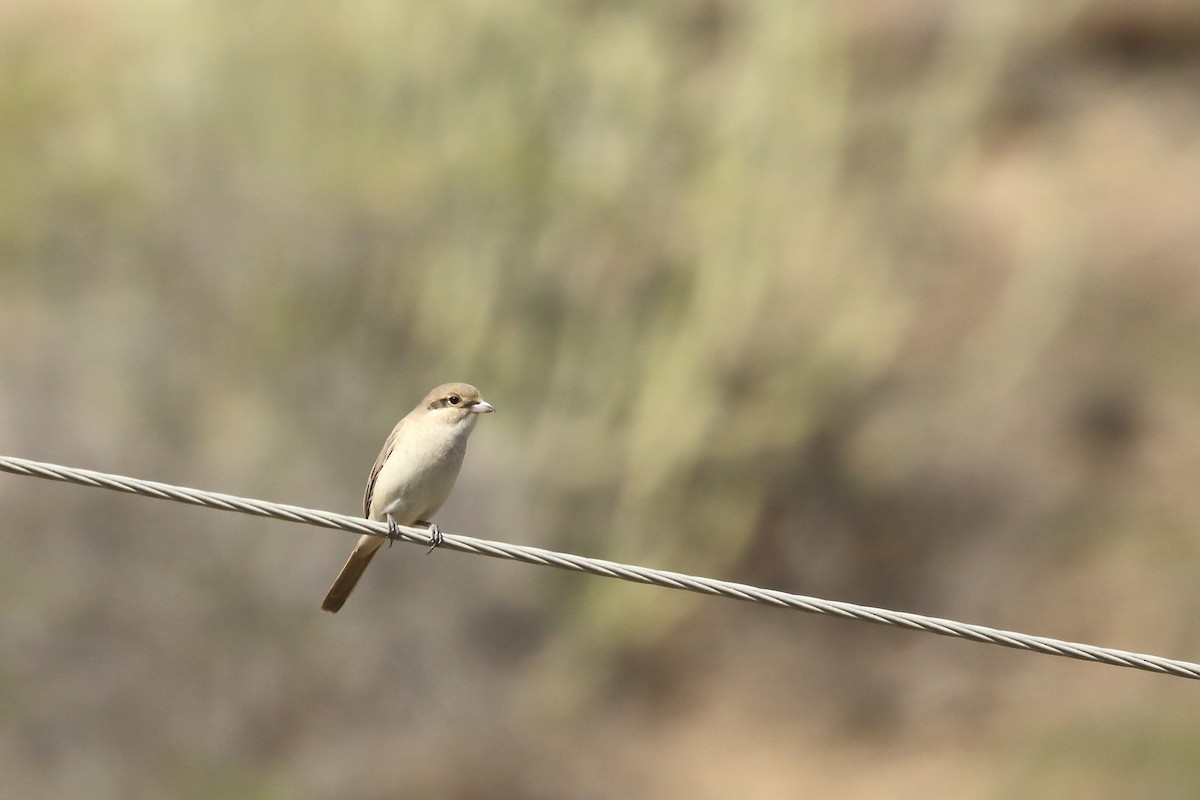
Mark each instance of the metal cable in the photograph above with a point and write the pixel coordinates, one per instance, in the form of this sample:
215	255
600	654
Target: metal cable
610	569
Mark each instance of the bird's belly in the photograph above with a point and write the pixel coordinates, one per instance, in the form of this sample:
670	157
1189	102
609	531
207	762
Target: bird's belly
413	485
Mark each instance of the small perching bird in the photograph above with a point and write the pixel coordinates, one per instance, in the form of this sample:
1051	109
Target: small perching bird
413	474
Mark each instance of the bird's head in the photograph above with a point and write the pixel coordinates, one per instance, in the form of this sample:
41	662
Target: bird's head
456	404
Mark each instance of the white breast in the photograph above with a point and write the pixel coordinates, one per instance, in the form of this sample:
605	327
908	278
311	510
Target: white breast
417	477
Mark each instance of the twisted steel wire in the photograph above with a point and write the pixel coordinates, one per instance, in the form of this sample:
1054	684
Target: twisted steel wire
609	569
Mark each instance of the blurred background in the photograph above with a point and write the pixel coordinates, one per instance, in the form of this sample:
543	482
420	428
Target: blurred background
896	303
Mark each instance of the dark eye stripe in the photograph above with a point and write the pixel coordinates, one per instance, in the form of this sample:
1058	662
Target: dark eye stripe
453	400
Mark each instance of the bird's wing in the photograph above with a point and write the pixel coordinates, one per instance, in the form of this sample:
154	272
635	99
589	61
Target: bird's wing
388	447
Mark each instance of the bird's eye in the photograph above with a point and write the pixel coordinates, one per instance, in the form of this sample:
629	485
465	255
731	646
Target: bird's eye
454	399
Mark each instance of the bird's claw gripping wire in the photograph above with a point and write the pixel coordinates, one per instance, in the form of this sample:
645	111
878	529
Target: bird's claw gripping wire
435	536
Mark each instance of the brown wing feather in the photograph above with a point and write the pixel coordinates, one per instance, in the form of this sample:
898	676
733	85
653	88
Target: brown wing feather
367	545
388	447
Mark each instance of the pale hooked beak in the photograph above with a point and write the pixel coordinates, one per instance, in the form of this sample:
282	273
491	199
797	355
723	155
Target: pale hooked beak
482	407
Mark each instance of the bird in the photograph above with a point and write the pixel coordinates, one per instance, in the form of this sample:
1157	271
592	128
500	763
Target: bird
413	475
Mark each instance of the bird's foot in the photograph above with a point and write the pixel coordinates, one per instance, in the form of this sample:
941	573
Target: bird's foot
435	536
393	533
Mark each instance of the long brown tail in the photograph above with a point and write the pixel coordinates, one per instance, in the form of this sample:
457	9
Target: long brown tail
344	584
